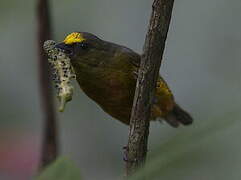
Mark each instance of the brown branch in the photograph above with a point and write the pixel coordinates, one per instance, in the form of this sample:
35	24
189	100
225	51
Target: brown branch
49	148
146	83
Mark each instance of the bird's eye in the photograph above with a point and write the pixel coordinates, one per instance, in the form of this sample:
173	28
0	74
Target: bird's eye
83	46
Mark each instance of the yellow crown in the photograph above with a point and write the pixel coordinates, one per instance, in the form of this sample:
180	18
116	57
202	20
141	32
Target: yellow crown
74	37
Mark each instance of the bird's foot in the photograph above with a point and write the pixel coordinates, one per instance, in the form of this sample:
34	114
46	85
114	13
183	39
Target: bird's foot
125	158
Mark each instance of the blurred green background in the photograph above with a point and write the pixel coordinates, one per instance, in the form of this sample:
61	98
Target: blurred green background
201	65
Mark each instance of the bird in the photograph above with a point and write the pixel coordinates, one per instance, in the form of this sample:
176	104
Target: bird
107	73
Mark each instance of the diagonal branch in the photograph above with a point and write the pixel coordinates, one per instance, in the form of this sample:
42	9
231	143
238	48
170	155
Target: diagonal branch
49	148
146	83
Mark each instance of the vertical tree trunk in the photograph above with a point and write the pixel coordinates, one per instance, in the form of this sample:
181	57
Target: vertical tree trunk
146	83
49	148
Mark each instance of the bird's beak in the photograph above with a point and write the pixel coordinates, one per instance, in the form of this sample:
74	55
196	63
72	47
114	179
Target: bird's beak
67	49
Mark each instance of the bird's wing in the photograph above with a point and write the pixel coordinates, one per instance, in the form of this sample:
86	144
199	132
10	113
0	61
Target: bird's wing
133	57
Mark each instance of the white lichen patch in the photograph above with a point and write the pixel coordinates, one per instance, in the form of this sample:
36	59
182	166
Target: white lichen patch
62	71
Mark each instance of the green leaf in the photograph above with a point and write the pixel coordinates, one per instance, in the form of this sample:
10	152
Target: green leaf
60	169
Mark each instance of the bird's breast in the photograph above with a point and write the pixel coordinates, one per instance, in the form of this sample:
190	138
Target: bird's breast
113	90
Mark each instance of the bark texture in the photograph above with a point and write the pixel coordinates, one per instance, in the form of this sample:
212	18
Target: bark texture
146	83
49	147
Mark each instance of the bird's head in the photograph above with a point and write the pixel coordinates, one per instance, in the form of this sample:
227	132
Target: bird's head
83	47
